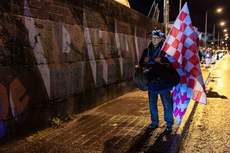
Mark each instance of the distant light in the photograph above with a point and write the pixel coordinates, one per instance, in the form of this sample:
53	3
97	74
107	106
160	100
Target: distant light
222	23
124	2
225	30
219	10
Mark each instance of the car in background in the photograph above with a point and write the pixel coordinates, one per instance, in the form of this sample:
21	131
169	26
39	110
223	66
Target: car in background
220	53
214	59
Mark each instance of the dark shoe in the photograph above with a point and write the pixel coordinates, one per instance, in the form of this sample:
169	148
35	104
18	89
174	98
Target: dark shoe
168	129
152	126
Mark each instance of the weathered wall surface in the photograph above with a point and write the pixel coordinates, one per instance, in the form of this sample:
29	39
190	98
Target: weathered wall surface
61	57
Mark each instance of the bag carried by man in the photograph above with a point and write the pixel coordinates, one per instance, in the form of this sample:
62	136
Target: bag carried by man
158	78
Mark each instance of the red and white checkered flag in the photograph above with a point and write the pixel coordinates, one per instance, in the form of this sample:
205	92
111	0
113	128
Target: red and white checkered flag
181	48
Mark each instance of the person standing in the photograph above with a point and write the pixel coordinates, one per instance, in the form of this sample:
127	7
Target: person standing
151	57
208	57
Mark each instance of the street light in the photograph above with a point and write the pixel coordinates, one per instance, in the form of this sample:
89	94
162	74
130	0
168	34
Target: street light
222	23
219	10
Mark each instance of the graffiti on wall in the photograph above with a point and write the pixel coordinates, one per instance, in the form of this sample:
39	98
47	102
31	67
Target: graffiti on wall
12	101
22	87
20	82
37	47
13	95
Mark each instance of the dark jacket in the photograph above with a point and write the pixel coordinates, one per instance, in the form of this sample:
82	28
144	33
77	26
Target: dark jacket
161	76
151	50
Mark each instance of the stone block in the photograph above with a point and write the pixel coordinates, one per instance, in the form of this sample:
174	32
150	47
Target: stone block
114	70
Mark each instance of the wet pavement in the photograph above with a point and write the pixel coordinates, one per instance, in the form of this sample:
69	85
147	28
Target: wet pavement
209	130
116	126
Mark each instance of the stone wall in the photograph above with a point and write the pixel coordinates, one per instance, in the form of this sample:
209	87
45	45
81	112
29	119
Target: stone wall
61	57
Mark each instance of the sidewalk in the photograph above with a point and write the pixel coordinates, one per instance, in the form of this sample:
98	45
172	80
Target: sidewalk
117	126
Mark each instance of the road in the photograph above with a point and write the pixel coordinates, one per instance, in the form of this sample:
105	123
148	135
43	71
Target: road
209	130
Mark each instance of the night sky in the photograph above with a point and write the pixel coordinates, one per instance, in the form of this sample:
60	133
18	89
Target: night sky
197	10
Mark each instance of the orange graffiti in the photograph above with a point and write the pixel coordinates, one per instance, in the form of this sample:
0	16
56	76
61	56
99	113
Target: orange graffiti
18	99
18	96
4	103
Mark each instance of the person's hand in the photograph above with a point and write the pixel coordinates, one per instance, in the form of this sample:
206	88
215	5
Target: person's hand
157	60
146	59
137	66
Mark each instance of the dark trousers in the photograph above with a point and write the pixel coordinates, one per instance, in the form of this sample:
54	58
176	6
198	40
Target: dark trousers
167	104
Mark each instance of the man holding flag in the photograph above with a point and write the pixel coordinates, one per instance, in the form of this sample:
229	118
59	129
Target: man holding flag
152	59
181	48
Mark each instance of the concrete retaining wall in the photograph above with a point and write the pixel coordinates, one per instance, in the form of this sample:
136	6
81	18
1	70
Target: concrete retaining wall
62	57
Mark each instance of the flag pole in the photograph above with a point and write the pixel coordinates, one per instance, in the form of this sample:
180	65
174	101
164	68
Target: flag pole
180	6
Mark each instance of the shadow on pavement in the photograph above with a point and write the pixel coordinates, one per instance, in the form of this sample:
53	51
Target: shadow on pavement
213	94
141	141
146	142
163	143
116	144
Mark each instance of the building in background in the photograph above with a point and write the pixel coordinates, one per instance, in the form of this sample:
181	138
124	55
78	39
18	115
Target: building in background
124	2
